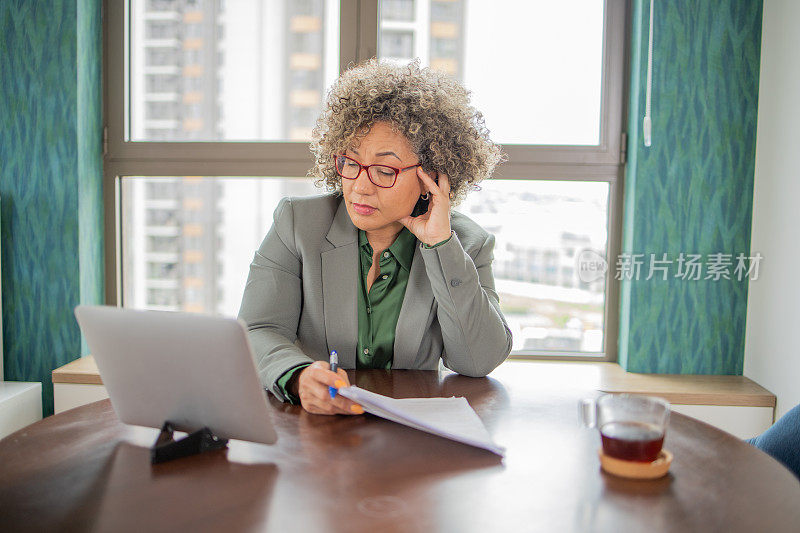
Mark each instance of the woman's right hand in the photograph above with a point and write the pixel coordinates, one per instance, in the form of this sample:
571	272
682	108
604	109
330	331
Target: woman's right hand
312	388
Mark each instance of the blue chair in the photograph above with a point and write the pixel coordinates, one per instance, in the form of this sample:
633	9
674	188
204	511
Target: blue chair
782	440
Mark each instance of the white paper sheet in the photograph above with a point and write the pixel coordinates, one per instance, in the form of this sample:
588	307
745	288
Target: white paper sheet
451	418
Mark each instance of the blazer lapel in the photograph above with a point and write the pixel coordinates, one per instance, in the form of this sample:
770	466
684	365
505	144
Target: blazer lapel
339	283
414	314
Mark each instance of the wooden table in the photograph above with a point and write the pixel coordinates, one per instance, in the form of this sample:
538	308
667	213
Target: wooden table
84	470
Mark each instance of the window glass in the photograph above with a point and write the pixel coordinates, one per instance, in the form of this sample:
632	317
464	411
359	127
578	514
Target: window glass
545	232
397	44
534	68
402	10
231	70
187	242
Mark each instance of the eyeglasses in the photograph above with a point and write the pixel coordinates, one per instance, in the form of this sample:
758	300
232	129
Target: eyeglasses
382	176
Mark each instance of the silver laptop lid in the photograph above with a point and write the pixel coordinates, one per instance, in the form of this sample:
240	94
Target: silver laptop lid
192	370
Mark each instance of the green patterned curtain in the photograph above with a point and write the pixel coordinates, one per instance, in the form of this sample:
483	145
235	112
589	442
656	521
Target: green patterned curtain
690	192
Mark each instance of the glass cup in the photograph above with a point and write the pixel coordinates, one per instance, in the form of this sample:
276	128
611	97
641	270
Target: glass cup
631	426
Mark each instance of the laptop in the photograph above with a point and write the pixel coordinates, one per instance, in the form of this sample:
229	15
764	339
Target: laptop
191	370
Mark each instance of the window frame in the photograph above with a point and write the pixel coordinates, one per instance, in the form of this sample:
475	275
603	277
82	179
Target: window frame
359	22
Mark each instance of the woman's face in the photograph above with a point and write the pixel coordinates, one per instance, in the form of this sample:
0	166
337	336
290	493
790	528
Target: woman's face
372	208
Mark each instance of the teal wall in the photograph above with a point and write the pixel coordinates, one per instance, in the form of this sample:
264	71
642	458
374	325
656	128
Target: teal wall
692	190
50	181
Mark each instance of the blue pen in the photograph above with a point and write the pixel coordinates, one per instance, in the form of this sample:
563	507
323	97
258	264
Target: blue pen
334	367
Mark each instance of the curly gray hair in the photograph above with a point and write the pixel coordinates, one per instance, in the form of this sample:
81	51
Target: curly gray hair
429	108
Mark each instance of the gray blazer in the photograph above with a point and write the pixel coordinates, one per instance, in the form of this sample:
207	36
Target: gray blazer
300	298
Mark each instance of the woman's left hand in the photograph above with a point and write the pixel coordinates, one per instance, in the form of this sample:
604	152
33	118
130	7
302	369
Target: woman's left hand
433	226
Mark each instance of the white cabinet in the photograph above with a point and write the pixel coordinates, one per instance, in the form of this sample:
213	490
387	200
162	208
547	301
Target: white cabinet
20	405
739	420
69	395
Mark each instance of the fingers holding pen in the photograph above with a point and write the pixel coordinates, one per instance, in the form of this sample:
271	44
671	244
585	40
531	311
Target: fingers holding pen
321	404
314	393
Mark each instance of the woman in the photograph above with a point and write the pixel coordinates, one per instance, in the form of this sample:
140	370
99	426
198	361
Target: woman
354	271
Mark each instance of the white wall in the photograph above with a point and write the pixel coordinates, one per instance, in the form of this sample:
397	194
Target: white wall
772	343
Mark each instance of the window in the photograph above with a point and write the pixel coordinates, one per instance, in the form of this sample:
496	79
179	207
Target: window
162	29
540	226
397	10
397	44
211	226
211	106
535	97
235	58
549	217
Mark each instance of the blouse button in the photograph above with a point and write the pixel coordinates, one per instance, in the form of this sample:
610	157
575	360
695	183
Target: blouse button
386	254
366	351
384	276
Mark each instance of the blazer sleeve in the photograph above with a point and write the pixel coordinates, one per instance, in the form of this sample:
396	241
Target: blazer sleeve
474	332
272	302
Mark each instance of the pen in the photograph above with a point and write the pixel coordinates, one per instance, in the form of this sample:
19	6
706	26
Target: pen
334	367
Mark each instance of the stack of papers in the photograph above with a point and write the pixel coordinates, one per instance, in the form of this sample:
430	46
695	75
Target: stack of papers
451	418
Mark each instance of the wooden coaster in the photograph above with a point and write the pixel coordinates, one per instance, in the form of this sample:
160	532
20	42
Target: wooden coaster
635	469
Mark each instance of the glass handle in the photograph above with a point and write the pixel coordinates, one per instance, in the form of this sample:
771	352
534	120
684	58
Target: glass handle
587	412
